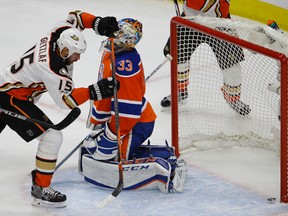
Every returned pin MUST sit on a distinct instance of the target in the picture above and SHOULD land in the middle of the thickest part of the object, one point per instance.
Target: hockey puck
(271, 200)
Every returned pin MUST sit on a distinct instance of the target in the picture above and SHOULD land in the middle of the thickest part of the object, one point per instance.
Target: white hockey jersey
(41, 69)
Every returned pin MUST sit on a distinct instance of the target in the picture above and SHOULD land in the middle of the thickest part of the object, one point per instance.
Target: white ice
(235, 181)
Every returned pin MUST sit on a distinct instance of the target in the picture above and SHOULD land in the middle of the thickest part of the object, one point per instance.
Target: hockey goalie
(153, 167)
(145, 166)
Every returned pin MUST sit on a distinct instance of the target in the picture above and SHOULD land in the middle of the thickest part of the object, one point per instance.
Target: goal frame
(283, 60)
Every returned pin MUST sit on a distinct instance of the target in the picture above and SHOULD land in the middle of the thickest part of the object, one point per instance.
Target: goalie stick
(168, 58)
(120, 185)
(73, 114)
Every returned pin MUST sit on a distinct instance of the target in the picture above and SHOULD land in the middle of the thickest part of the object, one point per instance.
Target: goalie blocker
(154, 167)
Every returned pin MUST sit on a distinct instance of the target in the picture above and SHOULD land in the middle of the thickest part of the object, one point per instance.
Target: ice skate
(46, 196)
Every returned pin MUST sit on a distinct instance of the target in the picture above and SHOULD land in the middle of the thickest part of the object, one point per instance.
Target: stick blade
(105, 201)
(73, 114)
(169, 57)
(114, 194)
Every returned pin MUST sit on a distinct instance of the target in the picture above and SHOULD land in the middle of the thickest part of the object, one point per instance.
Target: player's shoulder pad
(128, 64)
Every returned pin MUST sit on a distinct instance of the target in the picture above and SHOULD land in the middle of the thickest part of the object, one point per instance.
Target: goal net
(225, 86)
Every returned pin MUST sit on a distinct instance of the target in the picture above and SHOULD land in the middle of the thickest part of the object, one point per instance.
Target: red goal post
(277, 55)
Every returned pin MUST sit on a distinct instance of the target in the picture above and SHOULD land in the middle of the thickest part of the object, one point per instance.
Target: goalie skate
(166, 101)
(46, 196)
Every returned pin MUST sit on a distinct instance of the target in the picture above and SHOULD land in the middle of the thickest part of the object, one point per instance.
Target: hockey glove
(105, 26)
(103, 89)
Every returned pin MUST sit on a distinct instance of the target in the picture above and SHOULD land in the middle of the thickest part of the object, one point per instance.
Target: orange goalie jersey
(133, 106)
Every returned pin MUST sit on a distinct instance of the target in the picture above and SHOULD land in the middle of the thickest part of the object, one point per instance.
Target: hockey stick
(74, 150)
(168, 58)
(167, 45)
(120, 185)
(68, 156)
(176, 7)
(73, 114)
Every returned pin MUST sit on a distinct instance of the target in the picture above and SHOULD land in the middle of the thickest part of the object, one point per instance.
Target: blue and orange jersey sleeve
(132, 105)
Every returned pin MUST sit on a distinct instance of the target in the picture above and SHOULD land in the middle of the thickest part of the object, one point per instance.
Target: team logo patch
(74, 37)
(30, 133)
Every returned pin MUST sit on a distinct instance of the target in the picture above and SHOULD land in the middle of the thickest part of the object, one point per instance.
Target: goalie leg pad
(88, 146)
(178, 177)
(82, 151)
(102, 144)
(139, 174)
(161, 151)
(106, 148)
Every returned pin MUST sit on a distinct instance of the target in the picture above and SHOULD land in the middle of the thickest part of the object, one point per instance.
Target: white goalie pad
(179, 177)
(139, 174)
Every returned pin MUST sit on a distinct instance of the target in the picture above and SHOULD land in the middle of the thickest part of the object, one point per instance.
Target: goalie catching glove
(105, 26)
(103, 89)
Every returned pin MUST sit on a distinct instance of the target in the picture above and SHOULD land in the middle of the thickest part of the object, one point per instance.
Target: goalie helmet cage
(264, 59)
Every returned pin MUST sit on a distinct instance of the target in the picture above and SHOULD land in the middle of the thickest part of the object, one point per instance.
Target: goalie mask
(129, 34)
(72, 39)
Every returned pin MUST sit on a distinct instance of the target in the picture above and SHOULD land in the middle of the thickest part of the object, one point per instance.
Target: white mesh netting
(205, 118)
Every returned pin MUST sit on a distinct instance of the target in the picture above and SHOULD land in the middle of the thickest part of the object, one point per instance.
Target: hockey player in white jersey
(47, 66)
